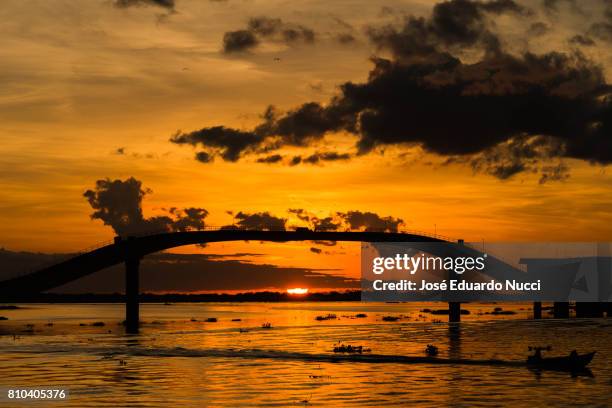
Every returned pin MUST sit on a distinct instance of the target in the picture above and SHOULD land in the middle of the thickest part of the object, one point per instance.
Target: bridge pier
(589, 309)
(132, 306)
(561, 310)
(454, 312)
(537, 310)
(132, 283)
(454, 308)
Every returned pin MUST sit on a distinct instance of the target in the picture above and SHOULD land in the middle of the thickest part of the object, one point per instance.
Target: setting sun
(297, 291)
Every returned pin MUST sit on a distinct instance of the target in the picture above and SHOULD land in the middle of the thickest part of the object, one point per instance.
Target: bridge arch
(132, 249)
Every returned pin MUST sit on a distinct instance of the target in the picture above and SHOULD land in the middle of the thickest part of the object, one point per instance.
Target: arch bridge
(132, 249)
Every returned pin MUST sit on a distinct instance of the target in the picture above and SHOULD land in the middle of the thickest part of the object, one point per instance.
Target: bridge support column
(132, 286)
(454, 308)
(589, 309)
(537, 310)
(561, 310)
(454, 312)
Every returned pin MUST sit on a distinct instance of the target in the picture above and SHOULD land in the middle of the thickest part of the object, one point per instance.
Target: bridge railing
(295, 228)
(62, 257)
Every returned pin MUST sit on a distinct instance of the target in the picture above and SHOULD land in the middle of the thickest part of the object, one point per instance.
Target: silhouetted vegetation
(266, 296)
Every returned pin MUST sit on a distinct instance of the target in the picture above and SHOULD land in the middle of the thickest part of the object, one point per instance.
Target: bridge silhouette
(130, 250)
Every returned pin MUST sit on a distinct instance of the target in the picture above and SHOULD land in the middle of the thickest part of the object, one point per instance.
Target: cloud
(318, 157)
(228, 143)
(203, 157)
(602, 30)
(516, 155)
(452, 23)
(552, 6)
(346, 38)
(266, 28)
(188, 218)
(425, 95)
(239, 41)
(167, 4)
(317, 224)
(369, 221)
(118, 203)
(298, 127)
(260, 221)
(538, 28)
(316, 250)
(583, 40)
(560, 172)
(350, 220)
(275, 158)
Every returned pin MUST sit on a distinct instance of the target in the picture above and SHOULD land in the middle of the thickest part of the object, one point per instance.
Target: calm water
(177, 362)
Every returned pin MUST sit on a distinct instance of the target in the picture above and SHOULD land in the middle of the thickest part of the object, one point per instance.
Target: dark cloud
(516, 155)
(325, 224)
(229, 143)
(427, 96)
(238, 41)
(346, 38)
(275, 158)
(260, 221)
(539, 28)
(188, 218)
(204, 157)
(552, 6)
(167, 4)
(559, 172)
(301, 213)
(266, 28)
(318, 157)
(583, 40)
(316, 250)
(350, 220)
(298, 127)
(452, 23)
(602, 30)
(369, 221)
(275, 28)
(118, 203)
(330, 223)
(456, 108)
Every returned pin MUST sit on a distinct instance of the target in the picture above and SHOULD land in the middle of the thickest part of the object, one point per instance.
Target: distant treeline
(180, 297)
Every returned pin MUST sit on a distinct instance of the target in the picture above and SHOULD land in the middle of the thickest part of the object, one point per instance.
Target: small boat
(350, 349)
(573, 362)
(431, 350)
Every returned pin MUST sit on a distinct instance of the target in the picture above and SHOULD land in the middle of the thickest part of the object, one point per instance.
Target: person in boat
(538, 353)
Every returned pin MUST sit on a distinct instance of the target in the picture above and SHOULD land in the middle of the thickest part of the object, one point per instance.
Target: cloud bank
(502, 113)
(266, 28)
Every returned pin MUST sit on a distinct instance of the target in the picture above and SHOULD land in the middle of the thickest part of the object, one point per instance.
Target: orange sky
(82, 79)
